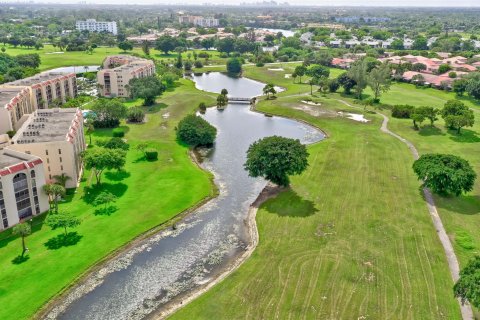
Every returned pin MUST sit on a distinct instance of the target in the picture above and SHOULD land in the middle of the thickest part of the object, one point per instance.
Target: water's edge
(269, 191)
(59, 298)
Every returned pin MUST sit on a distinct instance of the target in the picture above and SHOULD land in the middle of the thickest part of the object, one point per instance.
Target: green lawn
(351, 239)
(50, 60)
(149, 193)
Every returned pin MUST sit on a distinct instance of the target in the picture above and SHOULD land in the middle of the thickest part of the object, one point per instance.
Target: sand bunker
(354, 116)
(58, 52)
(276, 69)
(288, 76)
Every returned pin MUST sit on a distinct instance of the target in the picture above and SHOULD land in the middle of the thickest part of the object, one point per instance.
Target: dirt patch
(311, 103)
(316, 112)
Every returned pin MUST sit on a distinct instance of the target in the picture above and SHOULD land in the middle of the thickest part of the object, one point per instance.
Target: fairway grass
(149, 193)
(351, 239)
(50, 59)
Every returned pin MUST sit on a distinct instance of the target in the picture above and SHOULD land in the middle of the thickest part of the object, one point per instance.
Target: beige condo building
(20, 98)
(21, 180)
(117, 72)
(56, 136)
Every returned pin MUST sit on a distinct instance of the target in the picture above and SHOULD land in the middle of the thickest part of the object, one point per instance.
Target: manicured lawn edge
(79, 280)
(269, 192)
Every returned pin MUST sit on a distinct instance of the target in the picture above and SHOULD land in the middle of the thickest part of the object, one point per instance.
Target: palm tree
(23, 230)
(53, 191)
(62, 179)
(224, 92)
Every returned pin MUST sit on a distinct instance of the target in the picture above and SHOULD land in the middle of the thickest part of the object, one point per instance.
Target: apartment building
(55, 136)
(199, 21)
(93, 25)
(21, 97)
(21, 180)
(118, 71)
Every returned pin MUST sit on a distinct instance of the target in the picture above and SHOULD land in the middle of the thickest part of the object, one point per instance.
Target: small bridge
(238, 100)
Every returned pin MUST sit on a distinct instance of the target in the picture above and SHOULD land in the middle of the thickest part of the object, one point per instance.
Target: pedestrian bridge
(239, 100)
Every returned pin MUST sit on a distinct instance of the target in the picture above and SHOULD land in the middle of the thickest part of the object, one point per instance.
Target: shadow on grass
(90, 193)
(290, 204)
(430, 131)
(464, 204)
(105, 211)
(63, 240)
(155, 108)
(20, 259)
(465, 136)
(117, 175)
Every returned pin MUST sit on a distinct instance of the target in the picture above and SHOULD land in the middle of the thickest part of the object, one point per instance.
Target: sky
(371, 3)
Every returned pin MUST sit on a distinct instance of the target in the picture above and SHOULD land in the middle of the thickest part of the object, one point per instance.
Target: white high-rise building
(93, 25)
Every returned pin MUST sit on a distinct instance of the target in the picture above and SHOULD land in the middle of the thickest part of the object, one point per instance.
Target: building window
(59, 151)
(61, 168)
(60, 159)
(32, 174)
(22, 195)
(46, 152)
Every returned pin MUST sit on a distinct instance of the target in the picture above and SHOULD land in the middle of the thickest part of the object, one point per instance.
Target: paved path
(452, 260)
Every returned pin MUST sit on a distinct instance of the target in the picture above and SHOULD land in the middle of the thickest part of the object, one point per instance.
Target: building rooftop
(10, 158)
(39, 78)
(47, 125)
(7, 94)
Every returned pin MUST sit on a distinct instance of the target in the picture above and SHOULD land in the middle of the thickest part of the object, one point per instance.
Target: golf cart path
(452, 260)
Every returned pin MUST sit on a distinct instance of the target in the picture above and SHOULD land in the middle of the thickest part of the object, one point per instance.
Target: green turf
(50, 60)
(149, 193)
(352, 239)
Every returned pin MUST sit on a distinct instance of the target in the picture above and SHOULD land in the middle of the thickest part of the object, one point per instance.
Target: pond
(173, 263)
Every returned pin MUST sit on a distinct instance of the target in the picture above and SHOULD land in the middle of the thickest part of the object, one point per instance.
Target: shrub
(11, 133)
(116, 143)
(135, 114)
(203, 55)
(198, 64)
(151, 154)
(402, 111)
(118, 133)
(196, 131)
(234, 65)
(260, 64)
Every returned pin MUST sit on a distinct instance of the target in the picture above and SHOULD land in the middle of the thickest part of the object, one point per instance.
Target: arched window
(22, 195)
(32, 174)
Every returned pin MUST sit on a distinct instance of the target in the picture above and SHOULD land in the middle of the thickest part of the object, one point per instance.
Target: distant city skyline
(319, 3)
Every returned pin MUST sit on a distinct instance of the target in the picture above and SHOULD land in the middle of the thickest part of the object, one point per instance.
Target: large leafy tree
(457, 115)
(226, 45)
(359, 73)
(300, 72)
(165, 44)
(108, 112)
(276, 158)
(379, 79)
(147, 88)
(22, 230)
(101, 159)
(318, 71)
(346, 82)
(445, 173)
(196, 131)
(467, 287)
(62, 220)
(125, 46)
(234, 65)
